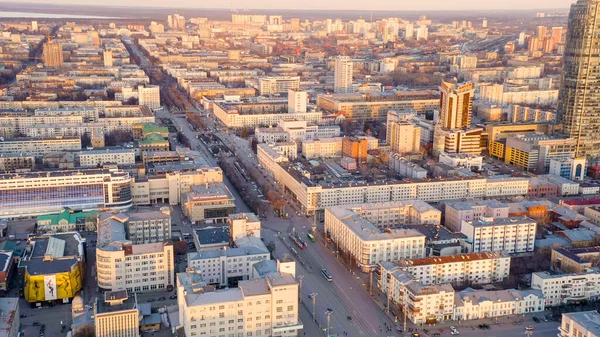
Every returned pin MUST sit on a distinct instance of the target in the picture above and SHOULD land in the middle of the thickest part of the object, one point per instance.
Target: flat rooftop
(589, 320)
(213, 235)
(365, 229)
(451, 259)
(515, 220)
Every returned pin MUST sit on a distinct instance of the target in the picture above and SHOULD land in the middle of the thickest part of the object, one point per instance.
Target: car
(529, 328)
(35, 323)
(162, 299)
(535, 319)
(481, 326)
(454, 332)
(452, 328)
(349, 319)
(488, 327)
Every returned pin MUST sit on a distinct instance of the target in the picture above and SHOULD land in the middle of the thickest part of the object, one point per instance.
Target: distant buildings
(580, 89)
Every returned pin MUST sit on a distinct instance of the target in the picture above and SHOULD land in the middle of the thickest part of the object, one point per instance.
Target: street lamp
(328, 313)
(313, 296)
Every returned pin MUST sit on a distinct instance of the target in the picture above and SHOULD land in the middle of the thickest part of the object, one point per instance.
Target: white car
(454, 332)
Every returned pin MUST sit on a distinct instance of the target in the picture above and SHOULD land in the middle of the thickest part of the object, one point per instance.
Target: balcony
(288, 327)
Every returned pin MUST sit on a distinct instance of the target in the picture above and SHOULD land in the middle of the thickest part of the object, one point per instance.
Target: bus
(327, 275)
(311, 237)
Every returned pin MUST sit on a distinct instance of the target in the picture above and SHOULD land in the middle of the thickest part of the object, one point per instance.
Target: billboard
(50, 287)
(39, 288)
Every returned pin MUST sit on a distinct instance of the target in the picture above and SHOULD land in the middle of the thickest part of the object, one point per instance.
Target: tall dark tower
(579, 100)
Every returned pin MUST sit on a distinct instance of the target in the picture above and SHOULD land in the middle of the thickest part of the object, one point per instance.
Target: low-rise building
(67, 221)
(511, 235)
(229, 265)
(53, 268)
(40, 146)
(208, 201)
(584, 323)
(469, 161)
(355, 232)
(243, 225)
(259, 307)
(574, 260)
(322, 148)
(559, 289)
(478, 304)
(117, 314)
(99, 157)
(473, 268)
(16, 161)
(456, 212)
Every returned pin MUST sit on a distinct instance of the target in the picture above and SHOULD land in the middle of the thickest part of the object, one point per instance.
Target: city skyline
(428, 5)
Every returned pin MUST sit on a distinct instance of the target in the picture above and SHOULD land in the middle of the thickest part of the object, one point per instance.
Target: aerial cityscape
(313, 169)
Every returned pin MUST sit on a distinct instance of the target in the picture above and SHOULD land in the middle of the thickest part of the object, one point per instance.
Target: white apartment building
(402, 135)
(13, 126)
(149, 96)
(233, 118)
(456, 212)
(297, 101)
(89, 114)
(259, 307)
(228, 266)
(343, 73)
(479, 304)
(406, 168)
(313, 196)
(469, 161)
(278, 85)
(144, 225)
(566, 288)
(473, 268)
(510, 235)
(99, 157)
(429, 304)
(576, 324)
(353, 232)
(243, 225)
(123, 265)
(322, 148)
(40, 146)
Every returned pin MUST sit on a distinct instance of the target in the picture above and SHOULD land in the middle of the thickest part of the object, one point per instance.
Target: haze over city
(299, 168)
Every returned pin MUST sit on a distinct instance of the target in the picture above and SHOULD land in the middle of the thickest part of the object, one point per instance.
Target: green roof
(154, 128)
(65, 214)
(153, 138)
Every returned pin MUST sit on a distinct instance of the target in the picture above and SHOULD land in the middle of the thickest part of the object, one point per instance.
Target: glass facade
(51, 198)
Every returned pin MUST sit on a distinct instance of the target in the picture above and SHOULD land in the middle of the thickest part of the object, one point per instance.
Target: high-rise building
(456, 105)
(580, 90)
(409, 31)
(108, 58)
(297, 101)
(149, 96)
(522, 37)
(542, 31)
(484, 23)
(422, 33)
(557, 33)
(402, 135)
(343, 74)
(34, 26)
(52, 53)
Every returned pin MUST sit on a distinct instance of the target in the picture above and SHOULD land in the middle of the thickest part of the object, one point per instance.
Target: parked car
(535, 319)
(349, 319)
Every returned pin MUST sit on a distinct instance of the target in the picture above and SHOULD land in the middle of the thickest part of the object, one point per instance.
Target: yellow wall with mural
(67, 285)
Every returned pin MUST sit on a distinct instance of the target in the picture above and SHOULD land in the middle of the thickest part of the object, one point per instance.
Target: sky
(397, 5)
